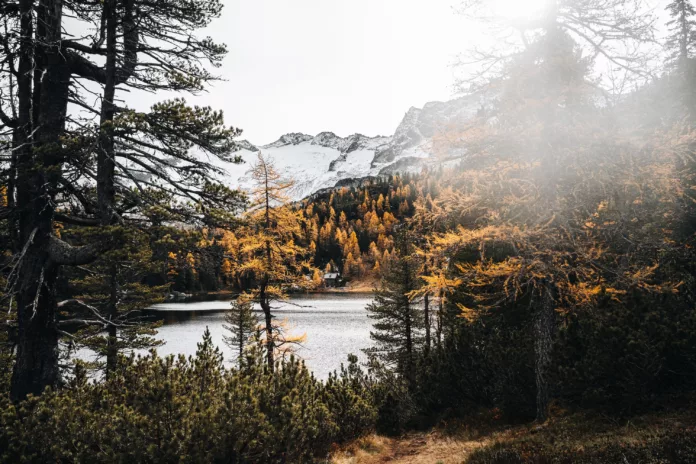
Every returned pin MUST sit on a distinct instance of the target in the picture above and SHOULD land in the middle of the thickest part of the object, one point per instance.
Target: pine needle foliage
(176, 409)
(681, 42)
(106, 311)
(241, 324)
(398, 321)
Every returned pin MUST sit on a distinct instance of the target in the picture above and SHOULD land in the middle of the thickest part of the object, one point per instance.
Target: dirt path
(599, 438)
(417, 448)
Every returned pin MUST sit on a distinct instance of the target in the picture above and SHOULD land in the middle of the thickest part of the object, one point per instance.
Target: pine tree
(398, 319)
(681, 45)
(681, 42)
(207, 364)
(110, 297)
(241, 323)
(111, 164)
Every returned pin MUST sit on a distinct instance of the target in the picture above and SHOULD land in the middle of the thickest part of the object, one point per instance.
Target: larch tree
(520, 206)
(548, 99)
(271, 258)
(547, 198)
(73, 164)
(436, 282)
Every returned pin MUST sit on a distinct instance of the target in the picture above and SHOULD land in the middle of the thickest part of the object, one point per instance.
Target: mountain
(322, 161)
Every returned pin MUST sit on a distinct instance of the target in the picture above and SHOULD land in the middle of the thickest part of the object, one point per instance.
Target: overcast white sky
(331, 65)
(342, 66)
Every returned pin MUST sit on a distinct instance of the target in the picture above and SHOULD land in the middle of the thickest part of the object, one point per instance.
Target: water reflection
(335, 325)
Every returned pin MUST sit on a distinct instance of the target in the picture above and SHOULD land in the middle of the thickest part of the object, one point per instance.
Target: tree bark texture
(544, 326)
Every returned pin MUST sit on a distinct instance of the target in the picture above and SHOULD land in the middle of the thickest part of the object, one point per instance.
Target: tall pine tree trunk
(438, 328)
(105, 175)
(410, 368)
(426, 316)
(36, 366)
(39, 170)
(264, 301)
(544, 326)
(105, 157)
(270, 337)
(112, 333)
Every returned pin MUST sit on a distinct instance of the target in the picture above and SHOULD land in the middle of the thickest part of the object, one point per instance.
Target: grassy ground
(667, 437)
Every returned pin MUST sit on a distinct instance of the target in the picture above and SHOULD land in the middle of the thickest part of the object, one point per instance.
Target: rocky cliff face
(413, 137)
(322, 161)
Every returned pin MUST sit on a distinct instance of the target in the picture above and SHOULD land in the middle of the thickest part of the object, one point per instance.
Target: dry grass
(415, 448)
(566, 431)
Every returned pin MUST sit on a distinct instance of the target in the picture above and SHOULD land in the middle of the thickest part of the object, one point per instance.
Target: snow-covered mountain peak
(246, 145)
(412, 138)
(323, 161)
(327, 139)
(293, 138)
(348, 144)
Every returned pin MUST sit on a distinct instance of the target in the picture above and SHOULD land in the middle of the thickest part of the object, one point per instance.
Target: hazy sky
(330, 65)
(341, 66)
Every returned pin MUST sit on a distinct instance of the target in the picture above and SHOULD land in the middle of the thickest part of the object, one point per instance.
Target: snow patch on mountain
(322, 161)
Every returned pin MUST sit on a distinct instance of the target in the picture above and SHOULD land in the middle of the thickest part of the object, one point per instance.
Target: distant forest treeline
(349, 230)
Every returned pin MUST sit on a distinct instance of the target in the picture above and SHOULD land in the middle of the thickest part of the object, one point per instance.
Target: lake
(335, 325)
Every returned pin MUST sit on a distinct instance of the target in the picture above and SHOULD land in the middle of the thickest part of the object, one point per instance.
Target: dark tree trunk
(105, 157)
(426, 316)
(105, 174)
(263, 298)
(36, 366)
(544, 326)
(270, 336)
(408, 326)
(438, 328)
(112, 333)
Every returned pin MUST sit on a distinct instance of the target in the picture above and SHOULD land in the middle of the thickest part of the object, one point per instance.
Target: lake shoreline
(335, 324)
(222, 294)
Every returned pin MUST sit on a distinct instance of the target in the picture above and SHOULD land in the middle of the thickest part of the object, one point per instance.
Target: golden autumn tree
(546, 206)
(270, 257)
(435, 282)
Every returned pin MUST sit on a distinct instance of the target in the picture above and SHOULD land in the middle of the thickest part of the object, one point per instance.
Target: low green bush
(181, 409)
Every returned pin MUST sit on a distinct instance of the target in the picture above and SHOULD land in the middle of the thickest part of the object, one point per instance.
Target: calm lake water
(335, 326)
